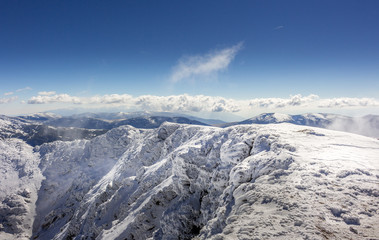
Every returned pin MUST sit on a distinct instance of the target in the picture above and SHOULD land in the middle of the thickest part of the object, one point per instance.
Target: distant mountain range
(39, 128)
(35, 133)
(109, 120)
(48, 127)
(138, 122)
(120, 115)
(367, 125)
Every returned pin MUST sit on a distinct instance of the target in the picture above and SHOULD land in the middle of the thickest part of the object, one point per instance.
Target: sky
(209, 58)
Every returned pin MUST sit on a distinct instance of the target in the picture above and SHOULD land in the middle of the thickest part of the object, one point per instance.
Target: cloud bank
(194, 66)
(201, 103)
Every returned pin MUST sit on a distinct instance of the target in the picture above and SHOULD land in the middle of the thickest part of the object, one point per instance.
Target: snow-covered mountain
(35, 133)
(280, 181)
(142, 114)
(367, 125)
(40, 116)
(97, 123)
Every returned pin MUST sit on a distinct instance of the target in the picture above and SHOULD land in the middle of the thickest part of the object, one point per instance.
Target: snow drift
(193, 182)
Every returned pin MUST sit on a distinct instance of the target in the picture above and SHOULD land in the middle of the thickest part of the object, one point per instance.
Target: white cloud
(44, 93)
(8, 100)
(204, 65)
(24, 89)
(279, 27)
(58, 98)
(296, 100)
(186, 103)
(201, 103)
(109, 99)
(8, 93)
(51, 97)
(348, 102)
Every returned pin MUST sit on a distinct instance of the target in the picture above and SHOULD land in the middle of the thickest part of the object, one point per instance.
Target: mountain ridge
(201, 182)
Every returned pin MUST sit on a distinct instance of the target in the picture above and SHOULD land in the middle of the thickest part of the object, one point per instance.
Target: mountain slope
(20, 180)
(181, 181)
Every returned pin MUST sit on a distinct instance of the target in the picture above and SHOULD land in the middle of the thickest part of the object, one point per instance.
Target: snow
(43, 115)
(300, 202)
(280, 117)
(280, 181)
(20, 179)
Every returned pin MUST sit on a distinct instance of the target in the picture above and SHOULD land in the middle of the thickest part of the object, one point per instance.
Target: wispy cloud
(44, 93)
(210, 63)
(8, 100)
(279, 27)
(202, 103)
(24, 89)
(8, 93)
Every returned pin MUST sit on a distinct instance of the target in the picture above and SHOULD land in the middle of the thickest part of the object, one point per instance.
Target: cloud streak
(211, 63)
(279, 27)
(201, 103)
(24, 89)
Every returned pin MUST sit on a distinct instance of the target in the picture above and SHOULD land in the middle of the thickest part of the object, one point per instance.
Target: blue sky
(230, 51)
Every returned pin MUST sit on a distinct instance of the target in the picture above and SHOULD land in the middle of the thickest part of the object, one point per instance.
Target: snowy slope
(279, 181)
(20, 180)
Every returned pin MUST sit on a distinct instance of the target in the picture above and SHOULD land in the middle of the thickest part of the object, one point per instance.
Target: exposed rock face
(182, 182)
